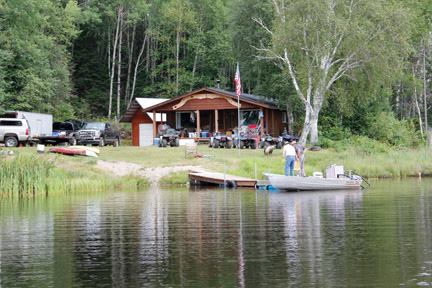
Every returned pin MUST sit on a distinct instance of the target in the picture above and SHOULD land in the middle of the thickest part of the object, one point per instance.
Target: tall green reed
(24, 175)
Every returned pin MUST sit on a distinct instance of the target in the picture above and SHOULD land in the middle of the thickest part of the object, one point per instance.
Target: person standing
(300, 157)
(289, 154)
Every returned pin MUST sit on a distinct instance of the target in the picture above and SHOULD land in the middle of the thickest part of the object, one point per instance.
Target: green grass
(176, 178)
(28, 173)
(380, 163)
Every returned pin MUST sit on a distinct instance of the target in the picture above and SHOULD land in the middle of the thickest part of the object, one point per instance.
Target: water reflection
(221, 238)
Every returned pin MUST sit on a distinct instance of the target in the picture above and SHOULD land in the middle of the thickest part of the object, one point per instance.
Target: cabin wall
(138, 118)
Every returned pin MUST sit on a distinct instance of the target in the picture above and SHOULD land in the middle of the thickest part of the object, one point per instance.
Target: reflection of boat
(74, 150)
(296, 183)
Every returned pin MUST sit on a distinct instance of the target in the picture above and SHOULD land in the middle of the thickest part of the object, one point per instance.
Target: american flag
(237, 81)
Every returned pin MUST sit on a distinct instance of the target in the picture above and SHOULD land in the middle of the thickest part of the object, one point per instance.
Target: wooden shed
(202, 112)
(142, 122)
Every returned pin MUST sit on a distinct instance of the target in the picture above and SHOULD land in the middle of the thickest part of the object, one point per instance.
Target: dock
(215, 178)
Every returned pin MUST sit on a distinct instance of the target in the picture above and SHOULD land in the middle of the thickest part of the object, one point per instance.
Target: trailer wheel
(253, 145)
(11, 141)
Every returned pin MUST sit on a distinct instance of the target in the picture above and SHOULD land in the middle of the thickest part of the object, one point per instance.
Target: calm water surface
(215, 238)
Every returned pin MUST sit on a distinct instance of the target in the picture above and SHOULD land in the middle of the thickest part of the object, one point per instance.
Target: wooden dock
(215, 178)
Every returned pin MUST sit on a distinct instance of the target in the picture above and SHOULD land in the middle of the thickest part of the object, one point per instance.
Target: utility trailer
(40, 124)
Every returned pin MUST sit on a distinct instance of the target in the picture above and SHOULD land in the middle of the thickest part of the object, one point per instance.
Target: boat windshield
(94, 126)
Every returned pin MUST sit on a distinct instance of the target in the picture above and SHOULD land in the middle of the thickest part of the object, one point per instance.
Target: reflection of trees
(229, 238)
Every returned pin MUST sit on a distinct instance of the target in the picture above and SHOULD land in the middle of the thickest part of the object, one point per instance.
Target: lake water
(381, 237)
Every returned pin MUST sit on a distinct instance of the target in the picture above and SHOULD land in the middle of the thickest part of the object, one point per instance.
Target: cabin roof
(150, 104)
(140, 103)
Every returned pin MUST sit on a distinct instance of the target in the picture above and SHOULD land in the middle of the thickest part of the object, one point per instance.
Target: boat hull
(296, 183)
(73, 151)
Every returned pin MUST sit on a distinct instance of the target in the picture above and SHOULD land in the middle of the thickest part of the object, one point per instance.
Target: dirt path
(122, 168)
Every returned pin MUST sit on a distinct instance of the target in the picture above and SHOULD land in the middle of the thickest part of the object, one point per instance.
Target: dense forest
(339, 67)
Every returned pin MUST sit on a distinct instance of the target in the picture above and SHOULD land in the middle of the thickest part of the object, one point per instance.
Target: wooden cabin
(200, 113)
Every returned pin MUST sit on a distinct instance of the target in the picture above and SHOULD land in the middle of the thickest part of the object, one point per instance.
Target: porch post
(198, 124)
(216, 121)
(154, 124)
(262, 122)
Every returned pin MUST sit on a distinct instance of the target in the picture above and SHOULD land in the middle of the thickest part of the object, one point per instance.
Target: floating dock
(226, 180)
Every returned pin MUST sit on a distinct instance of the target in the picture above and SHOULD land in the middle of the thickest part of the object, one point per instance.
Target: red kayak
(72, 151)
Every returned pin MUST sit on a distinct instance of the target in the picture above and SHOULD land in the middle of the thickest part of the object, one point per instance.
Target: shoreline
(153, 175)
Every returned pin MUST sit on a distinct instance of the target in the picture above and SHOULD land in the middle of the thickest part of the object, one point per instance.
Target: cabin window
(249, 117)
(186, 119)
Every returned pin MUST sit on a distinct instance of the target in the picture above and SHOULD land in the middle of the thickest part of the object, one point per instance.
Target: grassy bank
(29, 174)
(371, 163)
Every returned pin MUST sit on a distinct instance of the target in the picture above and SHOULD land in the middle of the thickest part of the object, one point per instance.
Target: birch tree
(320, 42)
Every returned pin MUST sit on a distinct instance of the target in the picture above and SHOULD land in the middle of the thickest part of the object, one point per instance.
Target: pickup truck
(98, 133)
(14, 131)
(62, 132)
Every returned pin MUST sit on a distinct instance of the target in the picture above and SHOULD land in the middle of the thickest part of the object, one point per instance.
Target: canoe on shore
(72, 151)
(297, 183)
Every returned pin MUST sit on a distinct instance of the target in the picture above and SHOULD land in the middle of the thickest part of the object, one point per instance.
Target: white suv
(14, 131)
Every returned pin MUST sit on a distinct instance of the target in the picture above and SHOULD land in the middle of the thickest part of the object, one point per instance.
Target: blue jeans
(289, 165)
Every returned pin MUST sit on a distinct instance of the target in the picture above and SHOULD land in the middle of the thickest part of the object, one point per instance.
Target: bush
(386, 128)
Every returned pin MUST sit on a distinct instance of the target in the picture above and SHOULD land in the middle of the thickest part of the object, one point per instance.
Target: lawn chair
(191, 150)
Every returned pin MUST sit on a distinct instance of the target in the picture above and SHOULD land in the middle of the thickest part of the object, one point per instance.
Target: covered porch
(200, 114)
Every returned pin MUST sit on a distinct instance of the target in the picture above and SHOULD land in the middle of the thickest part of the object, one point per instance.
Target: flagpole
(238, 122)
(238, 92)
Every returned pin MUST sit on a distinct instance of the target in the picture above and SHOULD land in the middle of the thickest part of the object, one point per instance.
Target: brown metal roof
(244, 97)
(248, 98)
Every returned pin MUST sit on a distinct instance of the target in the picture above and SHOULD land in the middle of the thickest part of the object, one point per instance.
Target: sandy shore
(122, 168)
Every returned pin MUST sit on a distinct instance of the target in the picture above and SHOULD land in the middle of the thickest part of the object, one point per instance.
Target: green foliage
(177, 178)
(27, 175)
(54, 57)
(387, 129)
(33, 54)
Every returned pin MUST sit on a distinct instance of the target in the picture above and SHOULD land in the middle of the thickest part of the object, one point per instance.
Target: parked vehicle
(169, 137)
(39, 124)
(247, 138)
(269, 140)
(221, 140)
(98, 133)
(14, 131)
(63, 132)
(286, 138)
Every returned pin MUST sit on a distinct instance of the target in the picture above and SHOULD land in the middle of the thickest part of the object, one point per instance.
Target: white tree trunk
(425, 90)
(290, 119)
(131, 45)
(119, 65)
(177, 61)
(314, 128)
(136, 69)
(417, 105)
(306, 124)
(113, 64)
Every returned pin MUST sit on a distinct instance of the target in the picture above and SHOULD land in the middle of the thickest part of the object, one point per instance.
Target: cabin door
(145, 135)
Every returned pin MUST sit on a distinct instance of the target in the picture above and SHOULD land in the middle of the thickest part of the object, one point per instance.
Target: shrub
(386, 128)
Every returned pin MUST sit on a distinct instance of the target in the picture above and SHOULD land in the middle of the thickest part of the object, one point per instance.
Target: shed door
(145, 134)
